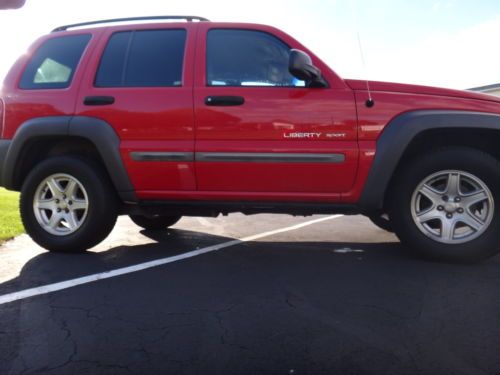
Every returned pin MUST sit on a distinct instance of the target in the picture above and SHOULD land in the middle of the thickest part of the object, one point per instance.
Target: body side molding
(276, 157)
(243, 157)
(398, 134)
(161, 156)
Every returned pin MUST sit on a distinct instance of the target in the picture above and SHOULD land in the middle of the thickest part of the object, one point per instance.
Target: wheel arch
(69, 130)
(405, 135)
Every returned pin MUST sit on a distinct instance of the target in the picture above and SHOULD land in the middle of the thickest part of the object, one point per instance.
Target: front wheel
(68, 204)
(444, 205)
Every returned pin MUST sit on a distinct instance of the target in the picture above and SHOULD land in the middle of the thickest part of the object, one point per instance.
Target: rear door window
(54, 63)
(147, 58)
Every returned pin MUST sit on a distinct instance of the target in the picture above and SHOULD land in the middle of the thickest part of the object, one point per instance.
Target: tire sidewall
(474, 162)
(100, 212)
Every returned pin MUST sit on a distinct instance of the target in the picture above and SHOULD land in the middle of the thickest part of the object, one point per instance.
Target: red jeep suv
(180, 116)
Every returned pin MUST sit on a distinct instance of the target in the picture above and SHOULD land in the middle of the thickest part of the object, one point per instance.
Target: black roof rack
(153, 18)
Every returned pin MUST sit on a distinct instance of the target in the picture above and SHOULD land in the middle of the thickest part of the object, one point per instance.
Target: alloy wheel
(60, 204)
(452, 207)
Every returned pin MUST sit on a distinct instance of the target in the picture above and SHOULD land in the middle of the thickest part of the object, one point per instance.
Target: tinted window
(247, 58)
(150, 58)
(113, 61)
(53, 64)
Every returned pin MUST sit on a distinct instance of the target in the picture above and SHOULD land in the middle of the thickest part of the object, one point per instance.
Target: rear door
(258, 129)
(146, 74)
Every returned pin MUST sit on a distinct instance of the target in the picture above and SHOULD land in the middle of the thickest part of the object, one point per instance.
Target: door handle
(99, 100)
(224, 101)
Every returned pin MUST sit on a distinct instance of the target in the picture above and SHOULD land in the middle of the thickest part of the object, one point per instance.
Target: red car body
(167, 119)
(176, 119)
(335, 119)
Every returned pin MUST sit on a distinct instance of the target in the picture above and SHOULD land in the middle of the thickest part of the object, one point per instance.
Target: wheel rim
(61, 204)
(452, 207)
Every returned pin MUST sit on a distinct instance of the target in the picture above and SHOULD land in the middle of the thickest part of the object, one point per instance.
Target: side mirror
(301, 67)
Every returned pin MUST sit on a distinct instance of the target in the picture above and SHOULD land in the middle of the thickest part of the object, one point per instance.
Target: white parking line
(46, 289)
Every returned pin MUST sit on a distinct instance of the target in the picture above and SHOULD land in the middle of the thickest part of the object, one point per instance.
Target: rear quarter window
(53, 64)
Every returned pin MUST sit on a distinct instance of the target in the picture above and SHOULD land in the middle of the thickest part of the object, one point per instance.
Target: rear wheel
(68, 204)
(444, 205)
(155, 222)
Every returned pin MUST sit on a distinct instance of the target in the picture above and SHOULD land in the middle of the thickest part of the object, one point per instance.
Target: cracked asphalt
(336, 297)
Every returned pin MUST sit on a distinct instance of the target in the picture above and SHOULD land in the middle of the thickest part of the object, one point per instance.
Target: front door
(259, 129)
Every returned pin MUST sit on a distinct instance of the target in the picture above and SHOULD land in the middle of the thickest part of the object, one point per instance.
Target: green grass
(10, 222)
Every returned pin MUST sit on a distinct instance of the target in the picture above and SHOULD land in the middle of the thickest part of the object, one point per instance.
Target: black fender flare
(97, 131)
(398, 134)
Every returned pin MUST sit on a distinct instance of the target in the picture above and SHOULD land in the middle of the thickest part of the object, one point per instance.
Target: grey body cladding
(241, 157)
(98, 132)
(4, 147)
(398, 134)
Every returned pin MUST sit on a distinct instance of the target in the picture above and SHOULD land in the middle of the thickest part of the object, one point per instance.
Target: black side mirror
(301, 67)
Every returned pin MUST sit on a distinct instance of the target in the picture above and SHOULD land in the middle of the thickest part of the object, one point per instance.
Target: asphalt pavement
(263, 294)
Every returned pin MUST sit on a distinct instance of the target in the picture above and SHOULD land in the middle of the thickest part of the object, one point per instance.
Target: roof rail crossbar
(187, 18)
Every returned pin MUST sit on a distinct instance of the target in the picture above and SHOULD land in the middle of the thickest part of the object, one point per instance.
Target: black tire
(155, 222)
(381, 222)
(463, 159)
(102, 209)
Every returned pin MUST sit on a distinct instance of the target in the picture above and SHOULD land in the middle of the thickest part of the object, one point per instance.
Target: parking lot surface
(317, 295)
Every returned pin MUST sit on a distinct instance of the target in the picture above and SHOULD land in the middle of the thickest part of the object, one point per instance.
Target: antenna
(370, 102)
